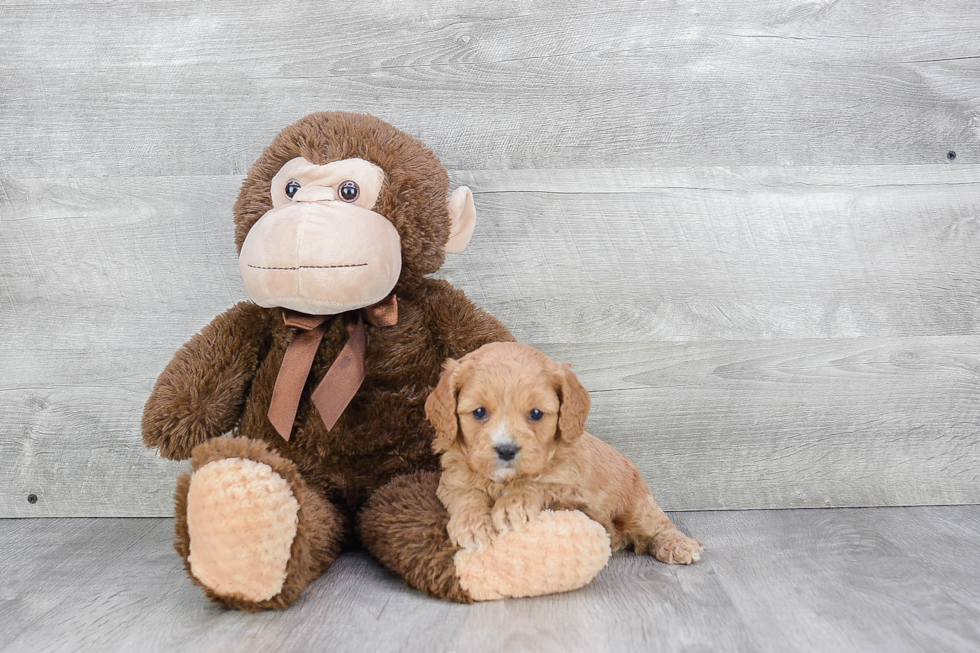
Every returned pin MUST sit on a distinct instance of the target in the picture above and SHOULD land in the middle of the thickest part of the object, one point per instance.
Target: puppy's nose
(506, 452)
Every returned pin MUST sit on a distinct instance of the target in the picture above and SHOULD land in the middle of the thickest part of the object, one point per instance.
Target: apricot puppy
(510, 425)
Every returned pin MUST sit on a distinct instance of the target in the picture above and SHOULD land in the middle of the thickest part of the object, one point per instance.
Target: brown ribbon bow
(340, 383)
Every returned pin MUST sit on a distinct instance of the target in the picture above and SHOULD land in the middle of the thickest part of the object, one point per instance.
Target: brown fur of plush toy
(222, 380)
(404, 522)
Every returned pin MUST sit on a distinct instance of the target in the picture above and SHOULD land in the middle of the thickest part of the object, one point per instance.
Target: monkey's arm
(201, 393)
(459, 325)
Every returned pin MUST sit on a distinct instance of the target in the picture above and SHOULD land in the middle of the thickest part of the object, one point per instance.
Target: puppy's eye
(535, 415)
(480, 413)
(349, 191)
(292, 188)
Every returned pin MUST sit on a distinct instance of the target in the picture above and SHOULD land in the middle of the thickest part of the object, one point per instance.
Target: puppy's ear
(440, 408)
(575, 404)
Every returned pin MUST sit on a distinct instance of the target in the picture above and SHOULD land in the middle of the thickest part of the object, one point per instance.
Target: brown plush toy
(322, 382)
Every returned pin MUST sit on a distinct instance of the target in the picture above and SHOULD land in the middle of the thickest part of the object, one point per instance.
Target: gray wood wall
(738, 220)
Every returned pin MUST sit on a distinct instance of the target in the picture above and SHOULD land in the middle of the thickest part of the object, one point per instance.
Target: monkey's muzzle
(320, 258)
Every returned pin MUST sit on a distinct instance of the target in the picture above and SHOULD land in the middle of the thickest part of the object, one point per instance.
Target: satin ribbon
(340, 383)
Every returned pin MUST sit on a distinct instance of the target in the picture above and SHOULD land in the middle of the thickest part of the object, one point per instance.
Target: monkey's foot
(558, 551)
(251, 532)
(241, 517)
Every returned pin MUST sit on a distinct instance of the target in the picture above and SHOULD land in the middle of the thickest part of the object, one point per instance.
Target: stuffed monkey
(302, 411)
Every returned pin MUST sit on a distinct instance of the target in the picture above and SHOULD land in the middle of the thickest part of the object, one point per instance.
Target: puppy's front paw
(675, 548)
(472, 532)
(512, 511)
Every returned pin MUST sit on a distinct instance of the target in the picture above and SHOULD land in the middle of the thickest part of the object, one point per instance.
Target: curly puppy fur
(510, 425)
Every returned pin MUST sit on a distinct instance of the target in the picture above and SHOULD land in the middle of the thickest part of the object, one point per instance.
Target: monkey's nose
(315, 194)
(506, 452)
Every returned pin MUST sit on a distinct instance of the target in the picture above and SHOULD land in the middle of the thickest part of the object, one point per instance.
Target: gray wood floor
(868, 579)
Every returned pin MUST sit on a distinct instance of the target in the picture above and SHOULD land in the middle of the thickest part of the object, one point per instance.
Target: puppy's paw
(471, 532)
(512, 511)
(675, 548)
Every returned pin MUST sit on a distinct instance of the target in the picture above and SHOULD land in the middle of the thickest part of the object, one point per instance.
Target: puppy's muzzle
(506, 452)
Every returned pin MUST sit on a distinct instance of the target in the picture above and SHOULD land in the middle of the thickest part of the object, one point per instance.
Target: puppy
(510, 425)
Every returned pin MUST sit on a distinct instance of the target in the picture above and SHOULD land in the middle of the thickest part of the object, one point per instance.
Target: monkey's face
(322, 249)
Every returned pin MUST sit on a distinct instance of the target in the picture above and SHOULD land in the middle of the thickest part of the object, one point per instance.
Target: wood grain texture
(737, 219)
(180, 88)
(559, 256)
(753, 337)
(717, 425)
(887, 579)
(791, 423)
(729, 253)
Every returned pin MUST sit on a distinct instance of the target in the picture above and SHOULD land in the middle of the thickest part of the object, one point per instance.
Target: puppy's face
(507, 407)
(508, 417)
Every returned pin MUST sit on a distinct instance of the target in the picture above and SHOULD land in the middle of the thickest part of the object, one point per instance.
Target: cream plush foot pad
(241, 517)
(557, 552)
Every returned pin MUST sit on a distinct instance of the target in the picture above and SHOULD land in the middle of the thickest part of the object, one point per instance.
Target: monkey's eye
(480, 413)
(535, 415)
(349, 191)
(292, 188)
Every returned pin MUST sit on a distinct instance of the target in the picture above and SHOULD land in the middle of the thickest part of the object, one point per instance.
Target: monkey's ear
(462, 212)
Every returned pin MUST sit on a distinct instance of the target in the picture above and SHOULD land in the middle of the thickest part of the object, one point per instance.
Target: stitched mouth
(308, 267)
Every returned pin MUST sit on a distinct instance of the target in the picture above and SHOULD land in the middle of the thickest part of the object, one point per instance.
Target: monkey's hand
(201, 393)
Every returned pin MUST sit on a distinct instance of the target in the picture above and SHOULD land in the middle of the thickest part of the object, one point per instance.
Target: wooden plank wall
(740, 221)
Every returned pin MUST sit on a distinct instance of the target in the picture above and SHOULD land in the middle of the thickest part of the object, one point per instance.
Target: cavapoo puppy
(510, 425)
